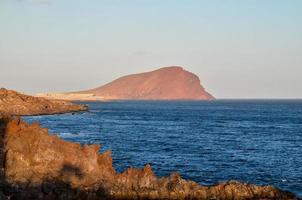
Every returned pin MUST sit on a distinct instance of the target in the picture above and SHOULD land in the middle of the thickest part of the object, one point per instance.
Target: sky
(238, 48)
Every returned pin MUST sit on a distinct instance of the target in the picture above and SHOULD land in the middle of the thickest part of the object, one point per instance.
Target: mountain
(168, 83)
(14, 103)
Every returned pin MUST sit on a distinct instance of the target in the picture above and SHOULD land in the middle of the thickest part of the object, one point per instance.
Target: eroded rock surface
(41, 166)
(14, 103)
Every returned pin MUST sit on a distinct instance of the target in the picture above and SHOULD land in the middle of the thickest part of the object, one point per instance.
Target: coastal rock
(168, 83)
(41, 166)
(14, 103)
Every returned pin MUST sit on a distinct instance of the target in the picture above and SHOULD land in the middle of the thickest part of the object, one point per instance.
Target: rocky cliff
(14, 103)
(41, 166)
(168, 83)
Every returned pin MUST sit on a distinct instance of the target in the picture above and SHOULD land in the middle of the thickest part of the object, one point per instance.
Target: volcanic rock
(14, 103)
(168, 83)
(41, 166)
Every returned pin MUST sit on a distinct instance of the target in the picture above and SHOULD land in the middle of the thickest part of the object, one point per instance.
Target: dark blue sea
(255, 141)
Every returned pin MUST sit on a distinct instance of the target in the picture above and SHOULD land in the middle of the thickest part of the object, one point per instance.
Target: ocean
(254, 141)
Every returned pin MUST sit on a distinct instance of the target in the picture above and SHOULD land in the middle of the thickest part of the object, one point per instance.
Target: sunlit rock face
(41, 166)
(14, 103)
(168, 83)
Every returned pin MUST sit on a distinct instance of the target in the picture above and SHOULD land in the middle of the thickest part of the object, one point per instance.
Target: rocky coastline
(36, 165)
(15, 103)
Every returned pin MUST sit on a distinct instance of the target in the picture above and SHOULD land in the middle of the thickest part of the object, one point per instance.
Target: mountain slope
(168, 83)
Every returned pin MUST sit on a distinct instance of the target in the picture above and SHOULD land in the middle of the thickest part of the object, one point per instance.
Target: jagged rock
(41, 166)
(14, 103)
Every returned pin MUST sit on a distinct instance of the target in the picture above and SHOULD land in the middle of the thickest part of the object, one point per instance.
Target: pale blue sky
(239, 48)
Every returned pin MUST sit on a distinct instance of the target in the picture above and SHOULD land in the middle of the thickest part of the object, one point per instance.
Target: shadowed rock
(14, 103)
(41, 166)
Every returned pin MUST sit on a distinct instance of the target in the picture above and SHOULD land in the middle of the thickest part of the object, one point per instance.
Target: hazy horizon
(239, 49)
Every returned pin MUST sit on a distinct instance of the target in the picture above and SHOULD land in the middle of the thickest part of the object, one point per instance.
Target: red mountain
(168, 83)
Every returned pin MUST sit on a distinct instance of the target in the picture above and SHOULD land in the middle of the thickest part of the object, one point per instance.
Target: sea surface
(255, 141)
